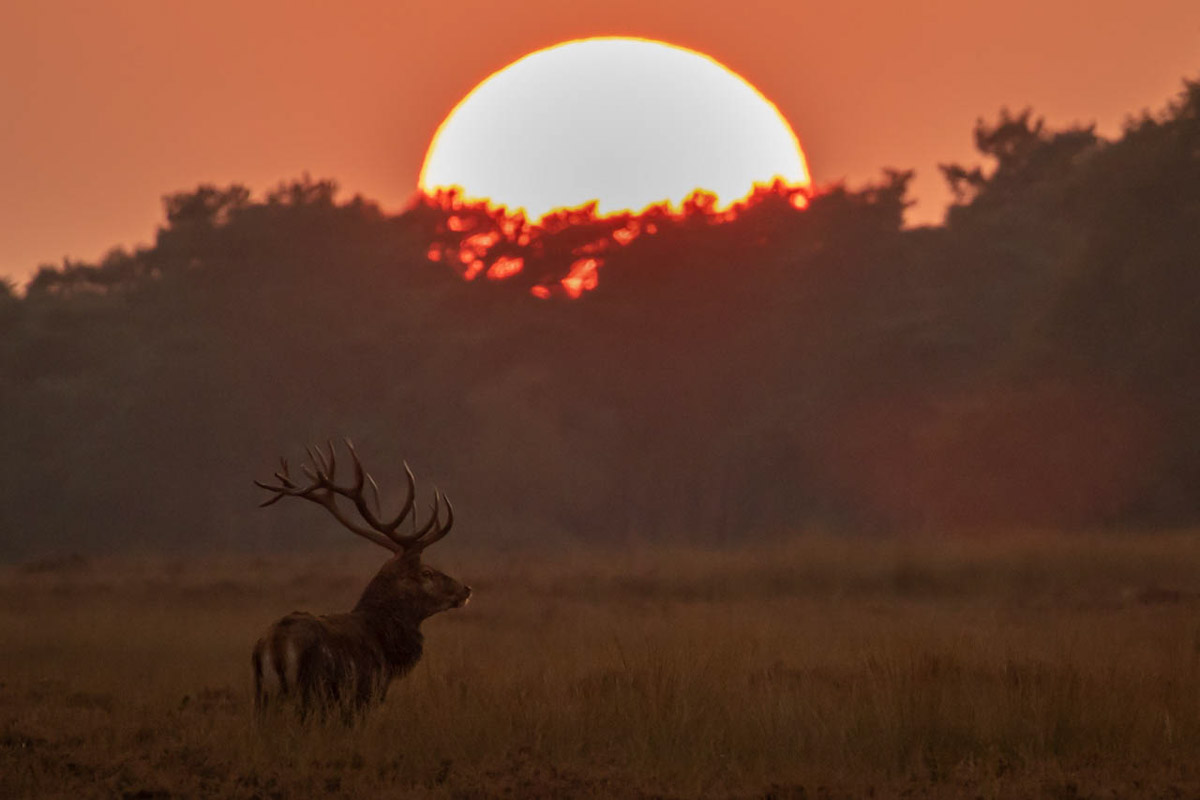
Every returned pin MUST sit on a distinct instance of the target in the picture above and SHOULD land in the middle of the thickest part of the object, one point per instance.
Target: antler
(322, 490)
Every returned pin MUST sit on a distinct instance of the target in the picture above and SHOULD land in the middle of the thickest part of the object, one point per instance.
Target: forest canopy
(1031, 362)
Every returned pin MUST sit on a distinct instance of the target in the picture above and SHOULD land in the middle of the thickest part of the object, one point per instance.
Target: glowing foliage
(505, 267)
(582, 277)
(477, 237)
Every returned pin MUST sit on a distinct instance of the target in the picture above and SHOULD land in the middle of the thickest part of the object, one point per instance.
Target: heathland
(1015, 666)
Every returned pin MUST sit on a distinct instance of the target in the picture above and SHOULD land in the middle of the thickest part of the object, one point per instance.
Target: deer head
(404, 581)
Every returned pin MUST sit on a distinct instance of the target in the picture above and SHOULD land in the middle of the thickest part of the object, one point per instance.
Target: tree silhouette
(807, 360)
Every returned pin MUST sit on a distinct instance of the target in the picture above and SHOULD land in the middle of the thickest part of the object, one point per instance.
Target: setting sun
(626, 123)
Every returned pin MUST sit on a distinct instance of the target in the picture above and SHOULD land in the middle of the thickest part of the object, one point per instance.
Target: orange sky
(106, 106)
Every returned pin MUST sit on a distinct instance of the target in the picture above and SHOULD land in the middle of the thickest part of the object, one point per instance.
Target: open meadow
(1028, 666)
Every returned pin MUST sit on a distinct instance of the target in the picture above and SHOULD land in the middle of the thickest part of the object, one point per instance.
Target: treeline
(1031, 362)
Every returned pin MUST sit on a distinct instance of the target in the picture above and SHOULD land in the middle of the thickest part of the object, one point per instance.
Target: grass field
(1050, 666)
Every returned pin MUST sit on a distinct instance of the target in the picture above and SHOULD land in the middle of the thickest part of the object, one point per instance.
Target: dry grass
(1035, 666)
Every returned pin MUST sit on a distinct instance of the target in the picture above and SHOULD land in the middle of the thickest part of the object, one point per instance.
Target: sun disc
(624, 122)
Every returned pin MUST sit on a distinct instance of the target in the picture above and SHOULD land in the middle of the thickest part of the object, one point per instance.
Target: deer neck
(396, 625)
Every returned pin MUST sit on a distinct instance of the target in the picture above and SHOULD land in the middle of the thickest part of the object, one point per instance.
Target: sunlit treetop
(567, 248)
(603, 128)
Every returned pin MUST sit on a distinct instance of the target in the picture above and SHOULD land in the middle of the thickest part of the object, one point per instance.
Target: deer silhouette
(345, 662)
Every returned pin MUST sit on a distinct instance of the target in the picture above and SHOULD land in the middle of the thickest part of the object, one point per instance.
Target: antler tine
(317, 459)
(286, 488)
(358, 467)
(411, 541)
(375, 495)
(407, 508)
(278, 490)
(332, 458)
(441, 530)
(355, 492)
(433, 517)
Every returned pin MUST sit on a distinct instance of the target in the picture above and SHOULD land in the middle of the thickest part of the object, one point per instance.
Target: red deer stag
(345, 662)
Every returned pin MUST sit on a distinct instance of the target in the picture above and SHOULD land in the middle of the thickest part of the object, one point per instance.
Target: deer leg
(260, 696)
